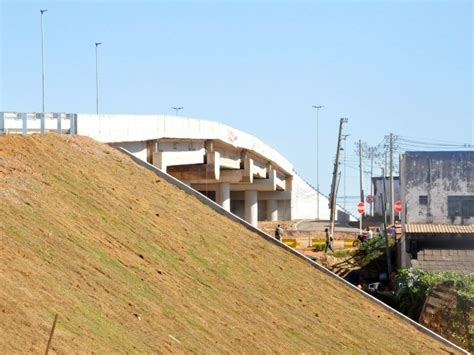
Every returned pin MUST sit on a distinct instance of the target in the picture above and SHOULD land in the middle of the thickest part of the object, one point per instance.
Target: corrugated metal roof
(440, 228)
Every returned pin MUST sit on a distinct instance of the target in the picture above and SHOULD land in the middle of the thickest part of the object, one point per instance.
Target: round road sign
(398, 206)
(361, 207)
(369, 199)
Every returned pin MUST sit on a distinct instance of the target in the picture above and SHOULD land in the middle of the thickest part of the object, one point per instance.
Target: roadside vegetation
(413, 286)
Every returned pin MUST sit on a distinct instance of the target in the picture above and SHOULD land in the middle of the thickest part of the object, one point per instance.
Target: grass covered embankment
(132, 264)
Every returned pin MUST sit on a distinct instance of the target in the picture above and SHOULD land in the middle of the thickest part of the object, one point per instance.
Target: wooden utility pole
(392, 190)
(335, 174)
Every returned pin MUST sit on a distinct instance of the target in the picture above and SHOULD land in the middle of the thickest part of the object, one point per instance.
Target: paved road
(308, 225)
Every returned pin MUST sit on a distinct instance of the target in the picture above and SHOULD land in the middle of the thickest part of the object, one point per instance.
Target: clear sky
(400, 66)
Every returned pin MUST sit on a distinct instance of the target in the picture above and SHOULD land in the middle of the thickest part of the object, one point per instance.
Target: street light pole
(42, 56)
(177, 109)
(97, 44)
(317, 157)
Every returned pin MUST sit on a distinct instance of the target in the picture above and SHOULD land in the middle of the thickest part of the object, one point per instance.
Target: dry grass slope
(132, 264)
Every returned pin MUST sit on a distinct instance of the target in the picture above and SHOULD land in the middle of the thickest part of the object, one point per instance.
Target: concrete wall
(304, 203)
(284, 210)
(436, 175)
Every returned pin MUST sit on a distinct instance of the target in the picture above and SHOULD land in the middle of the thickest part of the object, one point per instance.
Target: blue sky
(401, 66)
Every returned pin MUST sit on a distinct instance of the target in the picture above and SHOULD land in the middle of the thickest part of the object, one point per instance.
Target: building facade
(437, 194)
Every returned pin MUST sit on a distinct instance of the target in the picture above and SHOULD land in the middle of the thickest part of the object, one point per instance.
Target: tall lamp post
(317, 157)
(42, 56)
(177, 109)
(97, 44)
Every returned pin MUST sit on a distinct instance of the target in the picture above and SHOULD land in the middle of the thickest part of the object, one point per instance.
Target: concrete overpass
(235, 169)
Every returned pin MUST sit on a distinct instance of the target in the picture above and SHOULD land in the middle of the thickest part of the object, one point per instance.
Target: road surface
(309, 225)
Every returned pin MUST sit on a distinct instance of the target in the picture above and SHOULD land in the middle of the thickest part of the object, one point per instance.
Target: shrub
(413, 285)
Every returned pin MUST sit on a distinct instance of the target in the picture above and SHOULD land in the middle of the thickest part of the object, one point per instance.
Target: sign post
(361, 210)
(398, 208)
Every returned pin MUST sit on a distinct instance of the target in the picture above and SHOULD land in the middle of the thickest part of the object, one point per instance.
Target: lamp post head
(98, 44)
(43, 11)
(318, 107)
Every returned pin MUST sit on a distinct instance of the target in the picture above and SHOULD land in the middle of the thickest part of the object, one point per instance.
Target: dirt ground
(131, 264)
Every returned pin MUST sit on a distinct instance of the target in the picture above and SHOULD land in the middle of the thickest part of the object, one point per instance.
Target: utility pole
(344, 136)
(42, 58)
(335, 179)
(317, 157)
(372, 153)
(97, 44)
(177, 109)
(384, 211)
(392, 190)
(361, 172)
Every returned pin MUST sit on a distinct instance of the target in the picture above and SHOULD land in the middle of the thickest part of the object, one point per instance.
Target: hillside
(132, 264)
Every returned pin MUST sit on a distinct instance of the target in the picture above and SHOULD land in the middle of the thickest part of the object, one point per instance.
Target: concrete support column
(272, 210)
(59, 122)
(24, 123)
(223, 195)
(251, 207)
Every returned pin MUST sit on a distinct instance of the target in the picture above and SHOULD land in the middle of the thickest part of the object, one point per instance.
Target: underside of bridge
(239, 180)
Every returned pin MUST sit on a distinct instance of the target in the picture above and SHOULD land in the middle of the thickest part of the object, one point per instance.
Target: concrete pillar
(223, 195)
(72, 122)
(24, 123)
(60, 122)
(272, 210)
(251, 207)
(2, 123)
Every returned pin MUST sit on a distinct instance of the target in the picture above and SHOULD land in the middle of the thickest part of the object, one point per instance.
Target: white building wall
(304, 203)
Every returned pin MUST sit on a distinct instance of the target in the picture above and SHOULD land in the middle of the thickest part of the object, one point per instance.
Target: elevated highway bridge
(235, 169)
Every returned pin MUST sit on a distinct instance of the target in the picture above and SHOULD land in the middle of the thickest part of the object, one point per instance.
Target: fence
(32, 122)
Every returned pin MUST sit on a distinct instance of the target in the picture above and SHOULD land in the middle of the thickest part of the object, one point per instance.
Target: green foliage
(341, 253)
(413, 285)
(370, 250)
(319, 247)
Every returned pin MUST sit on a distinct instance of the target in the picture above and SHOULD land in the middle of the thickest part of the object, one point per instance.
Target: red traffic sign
(398, 206)
(369, 199)
(361, 207)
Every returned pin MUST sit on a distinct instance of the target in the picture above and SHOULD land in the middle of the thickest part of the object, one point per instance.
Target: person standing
(369, 233)
(328, 241)
(278, 233)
